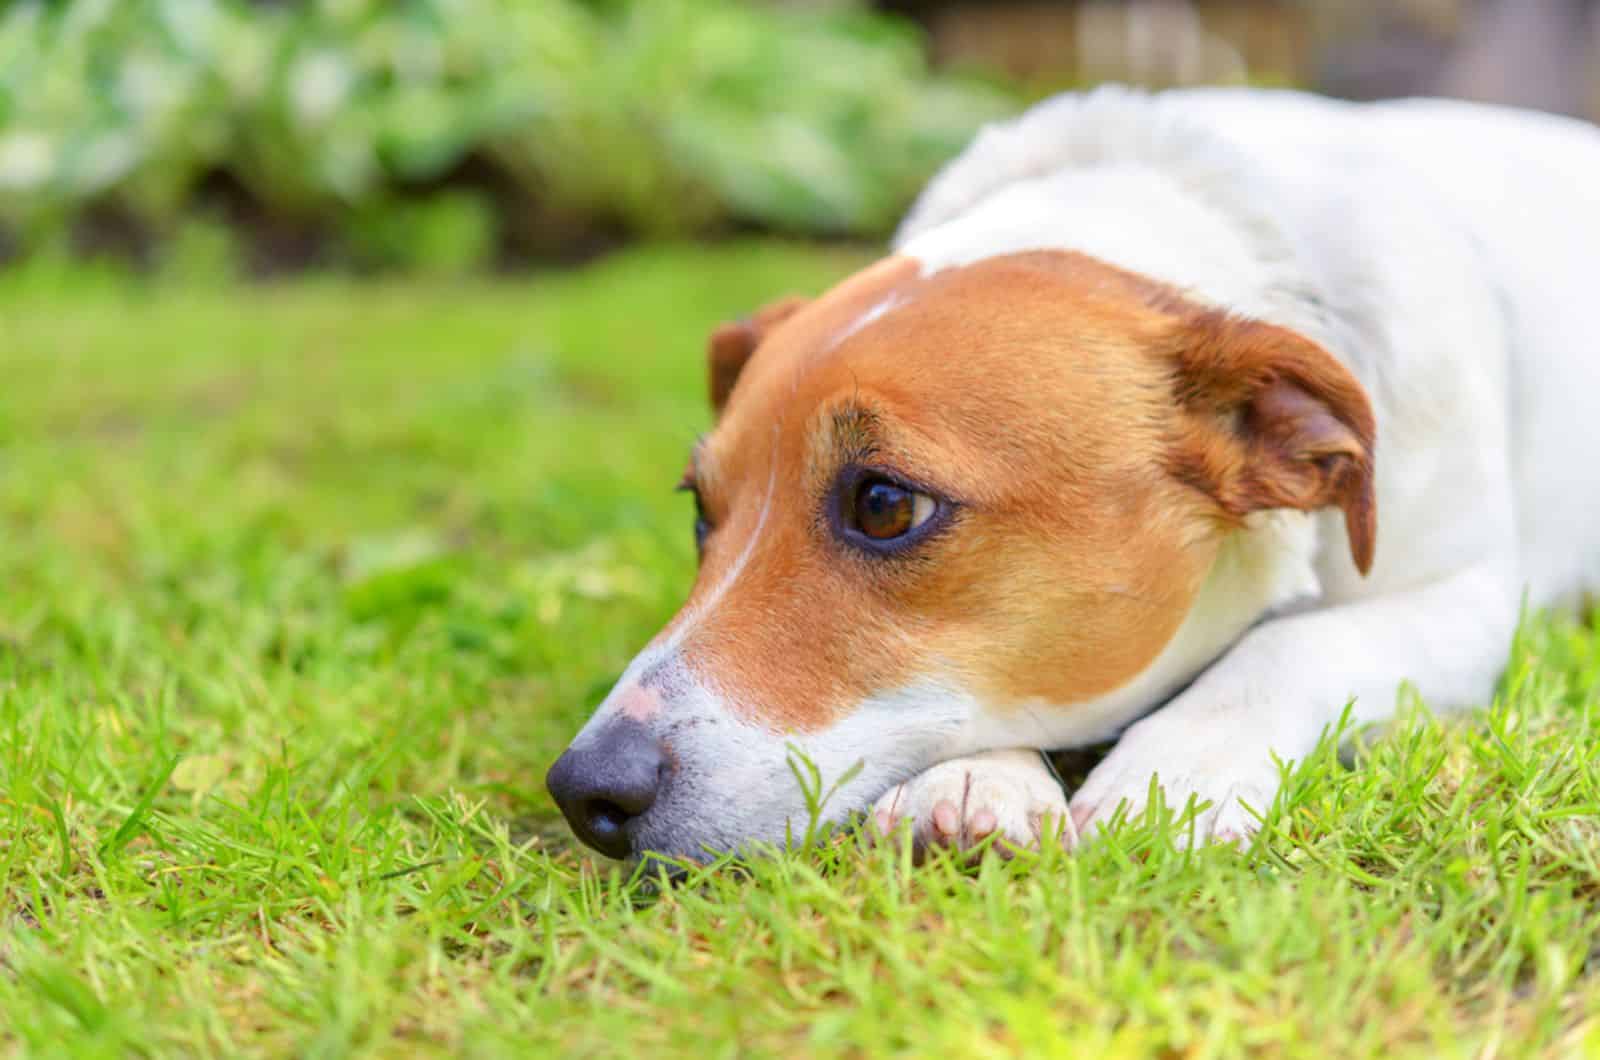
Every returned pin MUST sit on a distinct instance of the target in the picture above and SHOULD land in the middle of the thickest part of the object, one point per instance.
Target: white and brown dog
(1106, 446)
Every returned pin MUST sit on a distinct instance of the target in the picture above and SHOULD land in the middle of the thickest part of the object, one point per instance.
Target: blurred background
(263, 136)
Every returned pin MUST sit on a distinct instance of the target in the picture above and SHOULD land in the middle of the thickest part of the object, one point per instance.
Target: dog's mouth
(627, 800)
(678, 855)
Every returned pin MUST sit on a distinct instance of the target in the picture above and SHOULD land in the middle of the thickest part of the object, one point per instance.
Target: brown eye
(702, 524)
(884, 511)
(702, 528)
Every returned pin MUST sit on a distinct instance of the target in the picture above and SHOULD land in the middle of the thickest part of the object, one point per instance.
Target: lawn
(302, 588)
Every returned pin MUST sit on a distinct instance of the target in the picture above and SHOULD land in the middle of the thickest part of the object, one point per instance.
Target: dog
(1103, 448)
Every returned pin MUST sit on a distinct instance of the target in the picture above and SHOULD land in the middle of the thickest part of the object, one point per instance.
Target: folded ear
(731, 344)
(1272, 420)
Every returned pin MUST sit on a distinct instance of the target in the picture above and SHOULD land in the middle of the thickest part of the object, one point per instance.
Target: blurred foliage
(632, 116)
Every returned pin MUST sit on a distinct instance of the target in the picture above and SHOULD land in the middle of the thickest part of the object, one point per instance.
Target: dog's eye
(884, 510)
(702, 525)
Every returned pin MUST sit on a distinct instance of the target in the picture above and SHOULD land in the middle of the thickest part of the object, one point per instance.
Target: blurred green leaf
(658, 116)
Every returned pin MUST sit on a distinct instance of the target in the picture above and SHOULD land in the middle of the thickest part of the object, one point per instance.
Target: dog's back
(1526, 187)
(1531, 185)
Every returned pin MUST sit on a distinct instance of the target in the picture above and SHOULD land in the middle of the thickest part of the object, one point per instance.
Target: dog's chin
(676, 842)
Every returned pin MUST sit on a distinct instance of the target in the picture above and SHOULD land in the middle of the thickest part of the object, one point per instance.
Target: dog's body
(1148, 370)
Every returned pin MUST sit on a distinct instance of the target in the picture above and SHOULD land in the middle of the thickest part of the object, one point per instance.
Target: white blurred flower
(104, 161)
(149, 86)
(27, 160)
(348, 166)
(318, 84)
(194, 23)
(243, 60)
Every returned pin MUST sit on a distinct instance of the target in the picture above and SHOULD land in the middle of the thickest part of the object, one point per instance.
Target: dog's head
(941, 513)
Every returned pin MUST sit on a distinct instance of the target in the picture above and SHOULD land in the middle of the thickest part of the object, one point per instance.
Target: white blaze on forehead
(691, 617)
(887, 304)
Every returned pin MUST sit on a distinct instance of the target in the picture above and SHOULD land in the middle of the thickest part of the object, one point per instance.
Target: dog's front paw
(1227, 776)
(961, 803)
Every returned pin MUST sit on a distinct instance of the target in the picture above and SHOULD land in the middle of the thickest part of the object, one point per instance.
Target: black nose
(606, 782)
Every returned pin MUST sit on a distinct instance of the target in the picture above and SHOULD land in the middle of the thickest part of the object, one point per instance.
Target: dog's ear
(1272, 420)
(732, 343)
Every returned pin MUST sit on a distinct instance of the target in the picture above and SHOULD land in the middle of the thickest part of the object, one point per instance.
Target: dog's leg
(960, 803)
(1289, 679)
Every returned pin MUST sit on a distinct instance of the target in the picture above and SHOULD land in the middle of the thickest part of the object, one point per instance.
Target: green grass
(303, 587)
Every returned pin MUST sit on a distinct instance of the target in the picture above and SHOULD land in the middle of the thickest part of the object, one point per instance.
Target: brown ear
(731, 344)
(1272, 420)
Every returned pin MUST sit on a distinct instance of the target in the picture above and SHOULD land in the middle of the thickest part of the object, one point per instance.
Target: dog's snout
(606, 782)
